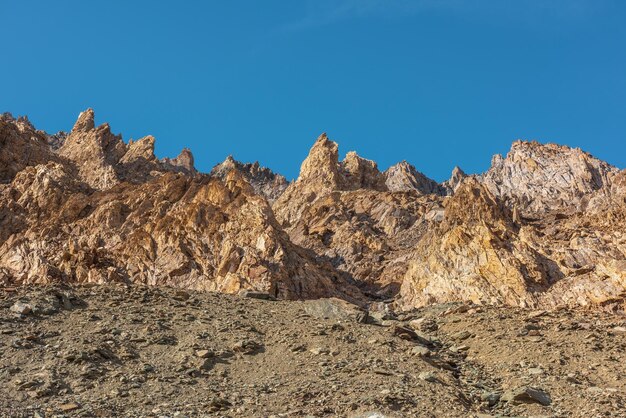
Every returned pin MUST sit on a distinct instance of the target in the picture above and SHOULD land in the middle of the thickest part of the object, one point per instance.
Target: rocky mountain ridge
(543, 227)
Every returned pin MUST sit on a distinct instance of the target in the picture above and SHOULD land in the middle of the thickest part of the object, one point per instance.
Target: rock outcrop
(539, 178)
(475, 254)
(485, 252)
(263, 180)
(322, 173)
(404, 177)
(543, 227)
(101, 210)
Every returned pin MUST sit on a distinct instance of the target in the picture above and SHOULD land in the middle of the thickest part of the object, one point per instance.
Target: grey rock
(527, 394)
(21, 308)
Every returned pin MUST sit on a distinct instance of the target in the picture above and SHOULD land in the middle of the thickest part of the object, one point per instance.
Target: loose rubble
(139, 351)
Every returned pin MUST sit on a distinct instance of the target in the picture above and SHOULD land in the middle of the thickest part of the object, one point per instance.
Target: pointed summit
(142, 149)
(361, 173)
(184, 161)
(321, 165)
(404, 177)
(85, 121)
(455, 180)
(547, 177)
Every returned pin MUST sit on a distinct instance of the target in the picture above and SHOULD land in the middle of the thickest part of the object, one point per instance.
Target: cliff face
(539, 179)
(544, 226)
(100, 210)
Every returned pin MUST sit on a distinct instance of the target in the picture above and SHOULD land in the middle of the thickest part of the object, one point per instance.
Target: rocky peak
(263, 180)
(20, 147)
(404, 177)
(142, 149)
(539, 178)
(85, 121)
(321, 173)
(56, 141)
(94, 151)
(360, 173)
(322, 170)
(455, 180)
(184, 162)
(321, 165)
(103, 159)
(7, 117)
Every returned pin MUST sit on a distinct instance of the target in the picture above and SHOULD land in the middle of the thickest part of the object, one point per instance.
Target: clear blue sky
(436, 82)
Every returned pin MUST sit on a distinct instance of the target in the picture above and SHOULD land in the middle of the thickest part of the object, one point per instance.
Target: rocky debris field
(114, 350)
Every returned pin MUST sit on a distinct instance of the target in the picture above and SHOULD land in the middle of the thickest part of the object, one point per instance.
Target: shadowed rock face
(542, 227)
(263, 180)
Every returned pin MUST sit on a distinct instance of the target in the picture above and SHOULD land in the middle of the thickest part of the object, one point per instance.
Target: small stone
(319, 350)
(68, 407)
(21, 308)
(218, 404)
(619, 329)
(492, 398)
(204, 353)
(406, 333)
(246, 347)
(420, 351)
(427, 376)
(535, 371)
(527, 394)
(460, 336)
(256, 295)
(298, 348)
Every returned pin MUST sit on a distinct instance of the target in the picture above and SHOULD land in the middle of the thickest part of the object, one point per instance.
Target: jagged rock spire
(85, 121)
(404, 177)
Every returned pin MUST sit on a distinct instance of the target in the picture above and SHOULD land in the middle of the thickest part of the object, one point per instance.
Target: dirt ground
(160, 352)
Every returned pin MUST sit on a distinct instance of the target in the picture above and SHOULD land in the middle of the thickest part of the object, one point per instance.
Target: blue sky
(438, 83)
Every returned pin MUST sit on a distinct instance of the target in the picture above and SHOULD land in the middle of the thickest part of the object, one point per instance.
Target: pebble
(68, 407)
(21, 308)
(204, 353)
(421, 351)
(427, 376)
(319, 350)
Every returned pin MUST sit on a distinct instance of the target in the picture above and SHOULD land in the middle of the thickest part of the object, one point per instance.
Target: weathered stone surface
(263, 180)
(543, 227)
(103, 211)
(404, 177)
(540, 178)
(527, 394)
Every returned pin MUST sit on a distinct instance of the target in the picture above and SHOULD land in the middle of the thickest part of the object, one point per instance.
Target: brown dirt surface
(134, 351)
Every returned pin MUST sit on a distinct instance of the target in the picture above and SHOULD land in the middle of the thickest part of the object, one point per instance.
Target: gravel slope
(149, 351)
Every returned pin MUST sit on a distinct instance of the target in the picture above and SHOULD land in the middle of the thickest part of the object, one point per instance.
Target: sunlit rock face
(263, 180)
(543, 227)
(98, 210)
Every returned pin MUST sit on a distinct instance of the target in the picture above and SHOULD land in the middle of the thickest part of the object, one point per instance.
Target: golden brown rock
(543, 227)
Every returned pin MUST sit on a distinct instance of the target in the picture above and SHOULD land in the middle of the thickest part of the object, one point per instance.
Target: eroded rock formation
(263, 180)
(101, 210)
(544, 226)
